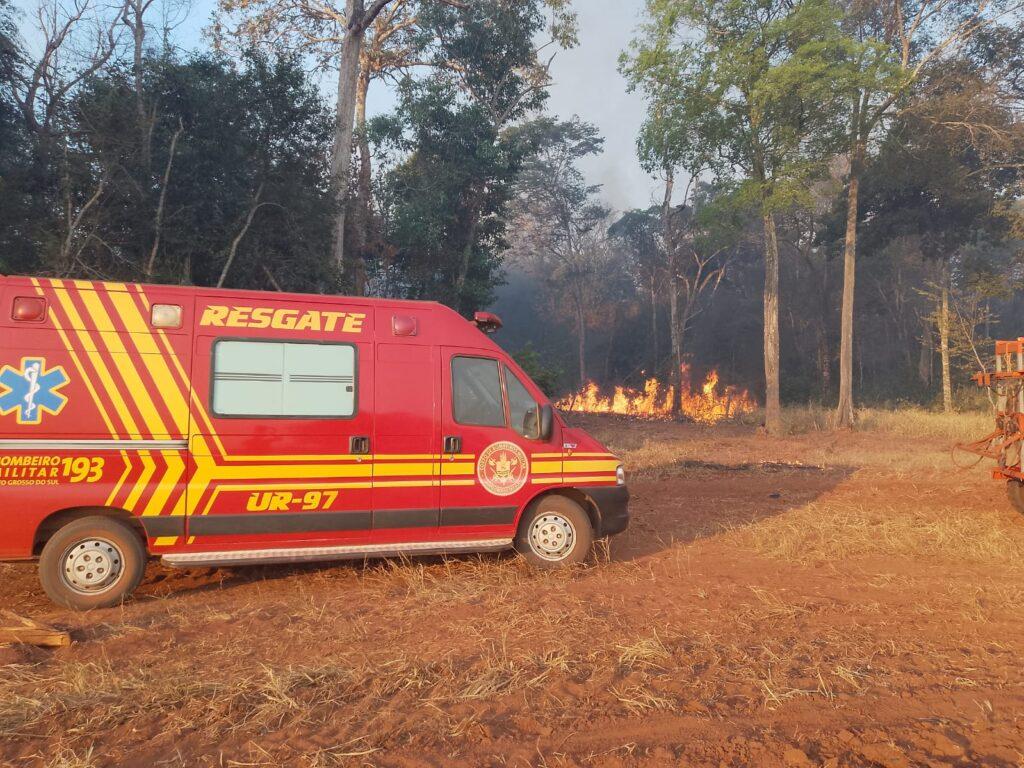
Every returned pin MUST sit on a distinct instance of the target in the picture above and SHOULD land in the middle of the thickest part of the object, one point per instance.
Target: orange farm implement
(1004, 443)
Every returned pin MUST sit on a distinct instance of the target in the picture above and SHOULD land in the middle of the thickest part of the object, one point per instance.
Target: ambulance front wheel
(554, 532)
(93, 562)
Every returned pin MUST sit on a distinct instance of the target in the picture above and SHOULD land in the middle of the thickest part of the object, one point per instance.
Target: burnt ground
(836, 600)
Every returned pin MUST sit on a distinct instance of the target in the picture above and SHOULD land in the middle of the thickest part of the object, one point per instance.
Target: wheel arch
(573, 494)
(53, 522)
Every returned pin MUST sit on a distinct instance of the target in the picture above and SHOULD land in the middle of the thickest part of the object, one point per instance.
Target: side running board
(313, 554)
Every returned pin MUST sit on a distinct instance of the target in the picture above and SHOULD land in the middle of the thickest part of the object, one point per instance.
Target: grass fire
(709, 403)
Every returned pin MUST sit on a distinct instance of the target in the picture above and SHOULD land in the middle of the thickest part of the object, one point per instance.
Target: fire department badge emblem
(33, 389)
(503, 468)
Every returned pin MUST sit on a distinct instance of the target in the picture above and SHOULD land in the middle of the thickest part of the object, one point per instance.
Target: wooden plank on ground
(18, 629)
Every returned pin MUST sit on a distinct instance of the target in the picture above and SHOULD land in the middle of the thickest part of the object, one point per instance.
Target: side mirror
(547, 421)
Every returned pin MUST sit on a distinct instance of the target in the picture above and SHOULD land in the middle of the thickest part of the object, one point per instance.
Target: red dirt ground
(850, 600)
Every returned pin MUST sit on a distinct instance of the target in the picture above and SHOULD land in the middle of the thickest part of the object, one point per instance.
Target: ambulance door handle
(359, 445)
(452, 444)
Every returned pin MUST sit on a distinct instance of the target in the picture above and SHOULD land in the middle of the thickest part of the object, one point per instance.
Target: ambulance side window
(476, 392)
(268, 379)
(522, 408)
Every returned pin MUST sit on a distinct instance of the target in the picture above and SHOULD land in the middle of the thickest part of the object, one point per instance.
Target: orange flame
(708, 405)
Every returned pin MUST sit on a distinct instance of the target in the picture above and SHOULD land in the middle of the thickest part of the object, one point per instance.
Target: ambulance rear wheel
(555, 532)
(93, 562)
(1015, 491)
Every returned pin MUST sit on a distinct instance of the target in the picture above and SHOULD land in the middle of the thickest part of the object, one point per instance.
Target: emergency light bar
(488, 322)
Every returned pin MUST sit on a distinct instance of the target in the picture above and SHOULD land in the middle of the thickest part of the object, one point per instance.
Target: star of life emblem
(32, 390)
(503, 468)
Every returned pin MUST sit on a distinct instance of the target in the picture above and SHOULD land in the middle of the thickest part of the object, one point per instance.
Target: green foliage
(444, 201)
(451, 161)
(274, 143)
(544, 375)
(551, 190)
(747, 89)
(21, 201)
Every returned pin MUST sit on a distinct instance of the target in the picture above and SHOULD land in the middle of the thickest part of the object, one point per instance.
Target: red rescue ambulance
(211, 427)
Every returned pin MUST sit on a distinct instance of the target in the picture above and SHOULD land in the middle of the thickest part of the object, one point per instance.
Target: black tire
(554, 532)
(93, 562)
(1015, 492)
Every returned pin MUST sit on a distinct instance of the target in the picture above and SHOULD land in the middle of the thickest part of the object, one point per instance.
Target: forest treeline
(841, 182)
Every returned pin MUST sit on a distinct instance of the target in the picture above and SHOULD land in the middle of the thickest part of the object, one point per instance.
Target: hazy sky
(586, 83)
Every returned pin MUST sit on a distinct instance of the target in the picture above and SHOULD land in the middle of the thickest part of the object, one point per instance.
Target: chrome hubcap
(552, 536)
(92, 566)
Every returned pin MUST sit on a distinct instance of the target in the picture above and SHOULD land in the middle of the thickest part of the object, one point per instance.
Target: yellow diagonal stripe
(106, 380)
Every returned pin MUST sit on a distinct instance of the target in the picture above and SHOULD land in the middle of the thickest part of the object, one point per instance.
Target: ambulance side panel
(284, 400)
(406, 442)
(93, 413)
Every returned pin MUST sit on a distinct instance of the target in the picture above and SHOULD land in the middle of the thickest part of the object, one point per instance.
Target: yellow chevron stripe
(148, 468)
(102, 371)
(140, 334)
(175, 403)
(137, 389)
(128, 466)
(167, 483)
(66, 341)
(141, 395)
(95, 397)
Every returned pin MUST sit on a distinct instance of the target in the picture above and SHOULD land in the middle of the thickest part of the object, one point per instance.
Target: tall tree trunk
(675, 335)
(654, 327)
(158, 221)
(844, 410)
(341, 159)
(947, 384)
(233, 250)
(137, 25)
(668, 238)
(362, 207)
(772, 404)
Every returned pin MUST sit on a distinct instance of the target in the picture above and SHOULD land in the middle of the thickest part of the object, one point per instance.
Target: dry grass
(841, 529)
(905, 422)
(921, 440)
(438, 654)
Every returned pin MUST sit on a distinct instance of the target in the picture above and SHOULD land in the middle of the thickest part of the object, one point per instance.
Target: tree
(758, 81)
(439, 33)
(559, 219)
(20, 189)
(637, 235)
(260, 130)
(701, 239)
(929, 188)
(443, 196)
(318, 24)
(902, 40)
